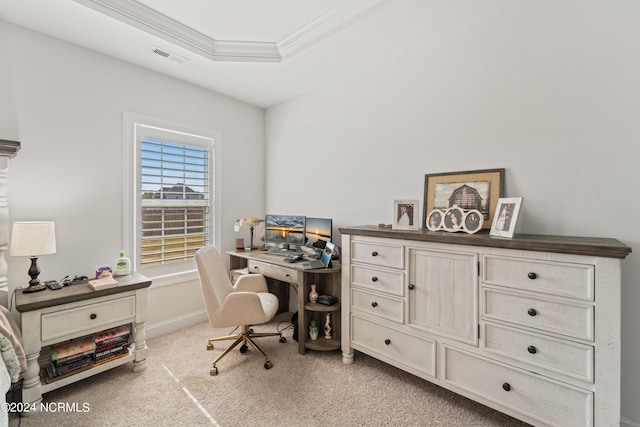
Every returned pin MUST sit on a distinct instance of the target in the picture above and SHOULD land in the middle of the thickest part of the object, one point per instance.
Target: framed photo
(453, 219)
(434, 221)
(504, 223)
(467, 190)
(405, 215)
(473, 221)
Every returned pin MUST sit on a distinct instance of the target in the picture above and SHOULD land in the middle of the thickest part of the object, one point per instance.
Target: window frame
(135, 127)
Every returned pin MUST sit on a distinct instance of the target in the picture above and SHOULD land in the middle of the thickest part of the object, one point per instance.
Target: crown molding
(330, 21)
(148, 20)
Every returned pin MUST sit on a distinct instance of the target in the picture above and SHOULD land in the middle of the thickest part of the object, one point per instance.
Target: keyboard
(285, 253)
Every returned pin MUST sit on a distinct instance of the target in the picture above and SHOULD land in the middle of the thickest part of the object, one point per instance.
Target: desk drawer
(273, 271)
(88, 318)
(550, 402)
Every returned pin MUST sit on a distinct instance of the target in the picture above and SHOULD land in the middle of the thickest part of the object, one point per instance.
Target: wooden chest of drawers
(528, 326)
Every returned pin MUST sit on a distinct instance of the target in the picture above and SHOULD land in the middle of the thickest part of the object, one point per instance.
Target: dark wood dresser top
(593, 246)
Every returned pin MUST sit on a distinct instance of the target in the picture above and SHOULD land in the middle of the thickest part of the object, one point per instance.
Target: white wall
(67, 104)
(549, 91)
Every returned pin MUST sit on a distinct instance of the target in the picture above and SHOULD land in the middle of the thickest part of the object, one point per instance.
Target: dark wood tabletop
(77, 292)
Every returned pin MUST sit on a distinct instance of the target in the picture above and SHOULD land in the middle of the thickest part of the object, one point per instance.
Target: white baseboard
(175, 324)
(628, 422)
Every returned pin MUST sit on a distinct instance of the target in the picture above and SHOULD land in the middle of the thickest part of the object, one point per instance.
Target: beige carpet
(316, 389)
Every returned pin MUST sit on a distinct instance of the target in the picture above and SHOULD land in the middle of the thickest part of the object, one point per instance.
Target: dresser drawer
(375, 253)
(87, 318)
(388, 281)
(564, 279)
(547, 401)
(571, 319)
(274, 271)
(573, 359)
(384, 307)
(395, 347)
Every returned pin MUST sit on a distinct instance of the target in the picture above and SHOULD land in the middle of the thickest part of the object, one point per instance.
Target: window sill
(173, 279)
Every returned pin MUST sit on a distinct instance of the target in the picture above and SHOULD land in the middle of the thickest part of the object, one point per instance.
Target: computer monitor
(318, 232)
(287, 229)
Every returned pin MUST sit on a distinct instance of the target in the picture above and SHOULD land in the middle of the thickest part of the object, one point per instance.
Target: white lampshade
(33, 238)
(250, 220)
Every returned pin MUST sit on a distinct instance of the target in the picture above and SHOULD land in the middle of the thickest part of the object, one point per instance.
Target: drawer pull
(374, 279)
(532, 275)
(412, 287)
(387, 341)
(255, 267)
(532, 349)
(506, 387)
(374, 253)
(532, 312)
(93, 316)
(374, 304)
(287, 275)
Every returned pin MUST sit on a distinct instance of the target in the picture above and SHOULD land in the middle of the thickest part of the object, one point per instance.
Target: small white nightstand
(50, 317)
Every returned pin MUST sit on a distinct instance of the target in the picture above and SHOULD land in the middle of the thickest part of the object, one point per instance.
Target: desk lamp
(252, 222)
(32, 239)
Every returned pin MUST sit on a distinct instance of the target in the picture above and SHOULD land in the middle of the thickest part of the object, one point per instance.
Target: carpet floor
(316, 389)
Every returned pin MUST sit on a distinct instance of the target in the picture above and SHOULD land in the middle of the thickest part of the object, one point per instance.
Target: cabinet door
(443, 293)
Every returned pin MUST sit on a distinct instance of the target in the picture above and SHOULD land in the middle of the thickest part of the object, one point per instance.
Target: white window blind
(175, 201)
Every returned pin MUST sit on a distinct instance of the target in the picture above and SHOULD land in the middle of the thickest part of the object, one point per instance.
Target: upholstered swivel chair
(246, 303)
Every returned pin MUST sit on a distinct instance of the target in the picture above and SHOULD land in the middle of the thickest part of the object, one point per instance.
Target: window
(172, 189)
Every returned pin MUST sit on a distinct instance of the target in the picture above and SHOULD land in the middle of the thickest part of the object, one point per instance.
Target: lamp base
(34, 272)
(36, 288)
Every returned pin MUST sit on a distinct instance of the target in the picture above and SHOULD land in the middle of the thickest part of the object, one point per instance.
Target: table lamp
(32, 239)
(252, 222)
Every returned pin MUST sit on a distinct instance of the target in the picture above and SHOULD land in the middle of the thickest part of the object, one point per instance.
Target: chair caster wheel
(243, 348)
(213, 372)
(283, 340)
(209, 346)
(268, 364)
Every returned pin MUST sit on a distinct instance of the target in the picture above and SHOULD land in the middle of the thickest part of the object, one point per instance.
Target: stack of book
(111, 344)
(83, 353)
(70, 358)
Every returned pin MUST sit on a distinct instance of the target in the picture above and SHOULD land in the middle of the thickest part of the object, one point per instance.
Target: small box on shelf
(327, 299)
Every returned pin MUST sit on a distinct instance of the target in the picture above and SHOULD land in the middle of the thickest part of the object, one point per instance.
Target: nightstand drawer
(566, 318)
(394, 346)
(557, 355)
(87, 318)
(389, 281)
(380, 254)
(550, 402)
(378, 305)
(277, 272)
(571, 280)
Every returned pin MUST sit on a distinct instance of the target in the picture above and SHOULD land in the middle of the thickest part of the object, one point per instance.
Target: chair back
(214, 281)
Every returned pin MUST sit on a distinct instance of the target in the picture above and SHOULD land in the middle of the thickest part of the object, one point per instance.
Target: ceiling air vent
(166, 54)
